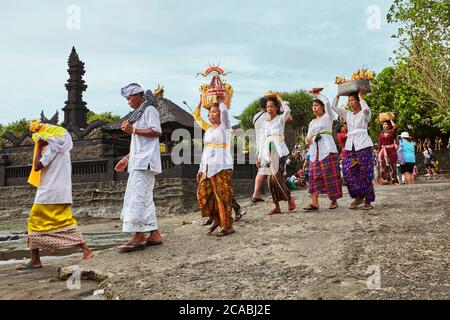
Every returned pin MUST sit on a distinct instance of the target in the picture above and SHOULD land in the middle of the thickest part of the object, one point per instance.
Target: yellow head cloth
(44, 132)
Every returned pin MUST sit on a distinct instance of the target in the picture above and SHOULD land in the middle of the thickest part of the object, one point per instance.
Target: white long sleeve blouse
(273, 131)
(324, 127)
(357, 125)
(216, 153)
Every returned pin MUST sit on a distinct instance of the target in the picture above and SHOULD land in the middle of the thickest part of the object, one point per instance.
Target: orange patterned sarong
(215, 196)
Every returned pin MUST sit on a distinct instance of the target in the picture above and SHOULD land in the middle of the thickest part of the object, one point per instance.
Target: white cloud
(282, 45)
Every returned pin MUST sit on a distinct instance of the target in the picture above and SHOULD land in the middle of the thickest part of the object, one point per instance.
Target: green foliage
(423, 58)
(247, 115)
(391, 94)
(300, 102)
(105, 117)
(18, 128)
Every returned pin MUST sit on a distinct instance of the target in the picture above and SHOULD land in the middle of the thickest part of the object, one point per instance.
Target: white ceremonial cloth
(139, 211)
(55, 186)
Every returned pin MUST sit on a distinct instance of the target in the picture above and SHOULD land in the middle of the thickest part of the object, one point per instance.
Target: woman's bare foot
(292, 205)
(87, 253)
(274, 211)
(87, 256)
(333, 205)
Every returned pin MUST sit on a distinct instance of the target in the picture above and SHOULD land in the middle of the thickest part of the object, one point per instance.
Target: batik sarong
(277, 183)
(358, 173)
(215, 196)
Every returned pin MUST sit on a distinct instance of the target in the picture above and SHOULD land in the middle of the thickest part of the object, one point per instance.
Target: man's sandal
(132, 246)
(28, 266)
(153, 242)
(254, 200)
(367, 207)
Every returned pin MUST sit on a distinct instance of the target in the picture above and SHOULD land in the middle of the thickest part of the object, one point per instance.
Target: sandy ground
(322, 255)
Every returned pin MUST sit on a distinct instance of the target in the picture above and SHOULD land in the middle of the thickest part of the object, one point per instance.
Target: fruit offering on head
(316, 90)
(340, 80)
(363, 74)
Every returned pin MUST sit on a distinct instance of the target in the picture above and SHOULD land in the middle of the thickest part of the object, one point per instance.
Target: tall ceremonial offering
(216, 88)
(360, 78)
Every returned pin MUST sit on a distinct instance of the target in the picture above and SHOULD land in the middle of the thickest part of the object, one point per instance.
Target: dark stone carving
(54, 120)
(80, 134)
(16, 141)
(75, 110)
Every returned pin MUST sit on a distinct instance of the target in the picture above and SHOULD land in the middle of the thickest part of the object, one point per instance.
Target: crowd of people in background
(394, 156)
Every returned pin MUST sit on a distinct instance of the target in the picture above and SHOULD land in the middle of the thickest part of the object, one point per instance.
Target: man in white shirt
(263, 172)
(51, 224)
(144, 162)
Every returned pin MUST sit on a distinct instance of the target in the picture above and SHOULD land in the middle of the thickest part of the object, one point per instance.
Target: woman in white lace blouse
(215, 192)
(358, 162)
(274, 152)
(324, 170)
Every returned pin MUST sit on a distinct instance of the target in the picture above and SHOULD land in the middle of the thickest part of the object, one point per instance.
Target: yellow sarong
(52, 218)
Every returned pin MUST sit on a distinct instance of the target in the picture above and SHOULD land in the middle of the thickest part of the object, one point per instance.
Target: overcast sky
(266, 45)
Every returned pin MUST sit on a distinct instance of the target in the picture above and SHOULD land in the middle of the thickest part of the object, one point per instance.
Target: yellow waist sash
(217, 145)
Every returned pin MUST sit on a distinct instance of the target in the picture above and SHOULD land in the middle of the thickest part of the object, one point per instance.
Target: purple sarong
(358, 173)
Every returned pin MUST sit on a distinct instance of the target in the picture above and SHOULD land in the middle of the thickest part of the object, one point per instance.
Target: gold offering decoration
(360, 74)
(271, 95)
(216, 88)
(35, 125)
(159, 91)
(385, 116)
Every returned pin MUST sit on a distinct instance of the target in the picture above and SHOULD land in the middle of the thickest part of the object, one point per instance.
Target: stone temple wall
(173, 196)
